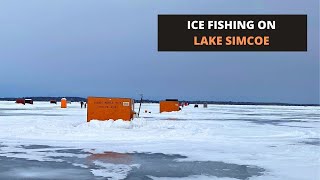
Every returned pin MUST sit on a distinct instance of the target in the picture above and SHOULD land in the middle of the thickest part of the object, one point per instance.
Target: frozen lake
(226, 142)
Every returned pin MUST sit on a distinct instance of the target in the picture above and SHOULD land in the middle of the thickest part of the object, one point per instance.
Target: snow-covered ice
(270, 142)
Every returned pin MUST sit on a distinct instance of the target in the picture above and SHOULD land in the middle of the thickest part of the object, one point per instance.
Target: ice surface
(283, 140)
(192, 178)
(112, 171)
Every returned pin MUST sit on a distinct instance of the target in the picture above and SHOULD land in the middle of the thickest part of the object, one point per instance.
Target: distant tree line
(73, 99)
(78, 99)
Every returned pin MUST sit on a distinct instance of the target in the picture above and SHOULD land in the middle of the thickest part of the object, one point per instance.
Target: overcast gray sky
(109, 48)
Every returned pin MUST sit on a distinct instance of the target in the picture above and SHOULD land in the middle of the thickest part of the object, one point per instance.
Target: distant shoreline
(78, 99)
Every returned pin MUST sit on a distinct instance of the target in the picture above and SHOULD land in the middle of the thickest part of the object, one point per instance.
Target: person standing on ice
(81, 104)
(85, 105)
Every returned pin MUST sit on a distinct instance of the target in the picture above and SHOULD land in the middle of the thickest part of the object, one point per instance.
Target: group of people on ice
(83, 104)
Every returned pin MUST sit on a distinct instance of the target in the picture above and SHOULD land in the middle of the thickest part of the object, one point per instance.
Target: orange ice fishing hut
(20, 101)
(64, 103)
(105, 108)
(169, 105)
